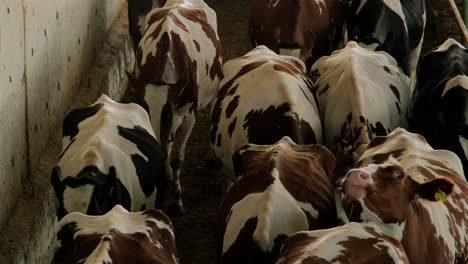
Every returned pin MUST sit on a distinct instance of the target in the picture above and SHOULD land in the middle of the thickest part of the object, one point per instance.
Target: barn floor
(201, 187)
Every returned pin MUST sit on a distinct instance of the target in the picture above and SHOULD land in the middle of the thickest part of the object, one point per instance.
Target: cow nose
(358, 177)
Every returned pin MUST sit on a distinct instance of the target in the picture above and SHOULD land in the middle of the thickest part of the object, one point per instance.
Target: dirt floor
(201, 187)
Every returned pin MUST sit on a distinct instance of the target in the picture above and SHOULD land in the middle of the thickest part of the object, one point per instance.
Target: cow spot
(387, 69)
(232, 106)
(231, 127)
(197, 45)
(378, 129)
(395, 91)
(71, 121)
(324, 90)
(314, 75)
(377, 141)
(266, 127)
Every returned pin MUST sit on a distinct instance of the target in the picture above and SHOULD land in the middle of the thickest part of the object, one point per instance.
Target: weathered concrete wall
(45, 49)
(47, 54)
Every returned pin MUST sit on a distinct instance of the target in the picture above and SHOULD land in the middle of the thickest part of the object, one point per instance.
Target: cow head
(382, 193)
(90, 192)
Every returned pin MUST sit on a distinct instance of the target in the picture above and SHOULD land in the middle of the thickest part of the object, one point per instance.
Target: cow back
(282, 189)
(440, 111)
(116, 237)
(361, 94)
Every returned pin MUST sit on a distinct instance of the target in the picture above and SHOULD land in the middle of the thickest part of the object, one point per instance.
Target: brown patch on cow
(395, 91)
(67, 253)
(231, 127)
(198, 16)
(197, 46)
(380, 158)
(293, 248)
(387, 69)
(363, 248)
(285, 66)
(281, 122)
(377, 141)
(232, 106)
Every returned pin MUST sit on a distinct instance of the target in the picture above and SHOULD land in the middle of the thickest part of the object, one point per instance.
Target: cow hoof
(174, 210)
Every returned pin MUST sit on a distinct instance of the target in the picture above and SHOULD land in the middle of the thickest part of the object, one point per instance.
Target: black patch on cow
(280, 122)
(108, 189)
(218, 141)
(349, 117)
(398, 107)
(232, 106)
(71, 121)
(150, 173)
(231, 127)
(362, 119)
(377, 141)
(246, 250)
(442, 120)
(65, 150)
(387, 69)
(197, 45)
(378, 129)
(395, 91)
(135, 10)
(377, 23)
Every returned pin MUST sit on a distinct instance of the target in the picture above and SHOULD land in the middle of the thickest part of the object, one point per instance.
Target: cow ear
(56, 181)
(436, 190)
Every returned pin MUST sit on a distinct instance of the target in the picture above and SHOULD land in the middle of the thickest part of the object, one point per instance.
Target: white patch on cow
(270, 208)
(395, 5)
(99, 144)
(156, 97)
(464, 144)
(447, 44)
(320, 4)
(460, 80)
(359, 74)
(142, 24)
(290, 52)
(77, 199)
(281, 88)
(414, 58)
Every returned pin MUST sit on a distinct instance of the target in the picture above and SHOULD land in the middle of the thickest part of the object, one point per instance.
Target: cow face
(91, 192)
(384, 192)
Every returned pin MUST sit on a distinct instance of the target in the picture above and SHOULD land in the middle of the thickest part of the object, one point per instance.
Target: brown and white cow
(177, 72)
(361, 94)
(394, 26)
(306, 29)
(116, 237)
(137, 11)
(415, 194)
(263, 97)
(353, 243)
(282, 189)
(440, 110)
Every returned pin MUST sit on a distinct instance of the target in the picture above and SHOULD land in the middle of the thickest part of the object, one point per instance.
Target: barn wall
(47, 48)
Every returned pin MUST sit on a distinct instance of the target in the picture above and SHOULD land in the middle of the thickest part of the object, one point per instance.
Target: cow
(109, 156)
(137, 11)
(361, 94)
(394, 26)
(307, 29)
(440, 111)
(177, 72)
(282, 189)
(116, 237)
(353, 243)
(415, 194)
(262, 98)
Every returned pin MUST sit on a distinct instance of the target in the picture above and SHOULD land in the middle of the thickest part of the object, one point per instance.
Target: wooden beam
(459, 18)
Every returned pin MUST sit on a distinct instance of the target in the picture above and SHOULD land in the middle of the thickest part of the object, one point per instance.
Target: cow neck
(394, 230)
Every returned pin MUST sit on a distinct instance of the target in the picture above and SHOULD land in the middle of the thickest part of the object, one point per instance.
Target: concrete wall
(46, 50)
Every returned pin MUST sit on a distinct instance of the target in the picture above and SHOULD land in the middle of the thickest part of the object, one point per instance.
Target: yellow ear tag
(440, 196)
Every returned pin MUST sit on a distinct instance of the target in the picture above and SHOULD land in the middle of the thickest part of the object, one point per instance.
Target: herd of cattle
(311, 130)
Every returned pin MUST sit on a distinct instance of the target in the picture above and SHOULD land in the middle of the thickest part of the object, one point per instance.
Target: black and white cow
(137, 11)
(116, 237)
(281, 189)
(414, 194)
(394, 26)
(263, 97)
(109, 156)
(440, 111)
(361, 94)
(177, 72)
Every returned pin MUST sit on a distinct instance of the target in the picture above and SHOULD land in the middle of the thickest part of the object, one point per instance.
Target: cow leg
(180, 142)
